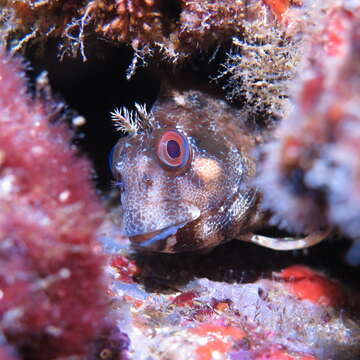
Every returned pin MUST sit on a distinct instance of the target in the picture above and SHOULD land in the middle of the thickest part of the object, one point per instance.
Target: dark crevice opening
(93, 89)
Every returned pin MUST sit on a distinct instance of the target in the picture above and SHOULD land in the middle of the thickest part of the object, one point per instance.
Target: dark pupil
(173, 149)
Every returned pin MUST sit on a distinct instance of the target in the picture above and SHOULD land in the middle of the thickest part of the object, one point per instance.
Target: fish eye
(173, 149)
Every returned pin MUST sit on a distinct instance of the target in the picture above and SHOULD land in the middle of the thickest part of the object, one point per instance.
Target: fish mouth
(154, 236)
(155, 240)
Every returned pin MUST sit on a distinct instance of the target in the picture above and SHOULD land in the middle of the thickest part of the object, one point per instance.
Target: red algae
(213, 348)
(308, 284)
(278, 7)
(184, 299)
(52, 284)
(126, 269)
(219, 330)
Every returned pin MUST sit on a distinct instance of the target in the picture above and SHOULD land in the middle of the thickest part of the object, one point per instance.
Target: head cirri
(182, 171)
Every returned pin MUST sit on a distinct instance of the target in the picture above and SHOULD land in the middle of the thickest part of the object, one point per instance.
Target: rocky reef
(71, 285)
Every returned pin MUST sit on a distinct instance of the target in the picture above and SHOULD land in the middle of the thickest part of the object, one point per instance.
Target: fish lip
(152, 240)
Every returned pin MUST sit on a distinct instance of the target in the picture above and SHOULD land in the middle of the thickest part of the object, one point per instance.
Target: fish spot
(207, 169)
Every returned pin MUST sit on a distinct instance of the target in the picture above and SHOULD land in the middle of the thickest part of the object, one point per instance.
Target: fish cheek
(208, 183)
(153, 202)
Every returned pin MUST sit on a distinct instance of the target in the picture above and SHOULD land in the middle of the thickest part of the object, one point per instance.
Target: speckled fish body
(197, 204)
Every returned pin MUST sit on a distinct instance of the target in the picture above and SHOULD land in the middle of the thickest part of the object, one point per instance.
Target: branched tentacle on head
(132, 121)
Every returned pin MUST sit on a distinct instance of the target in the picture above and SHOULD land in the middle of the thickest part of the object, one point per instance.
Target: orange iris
(173, 149)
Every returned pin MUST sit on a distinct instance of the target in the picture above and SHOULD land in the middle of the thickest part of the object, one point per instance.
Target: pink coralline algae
(52, 287)
(310, 177)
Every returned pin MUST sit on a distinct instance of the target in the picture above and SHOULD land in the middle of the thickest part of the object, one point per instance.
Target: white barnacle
(132, 122)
